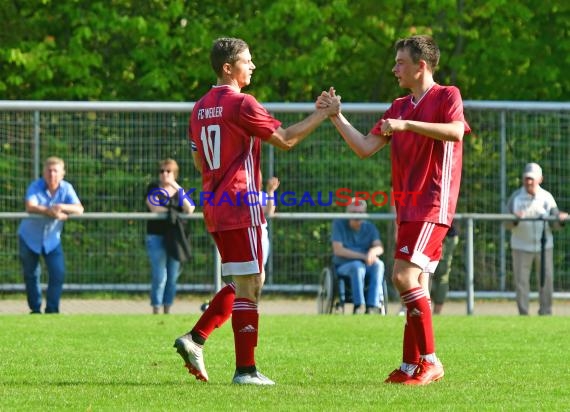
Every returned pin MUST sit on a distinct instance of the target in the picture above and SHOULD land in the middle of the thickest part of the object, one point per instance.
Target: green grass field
(320, 363)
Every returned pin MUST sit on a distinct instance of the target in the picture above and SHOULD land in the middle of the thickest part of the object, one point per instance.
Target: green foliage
(124, 50)
(119, 362)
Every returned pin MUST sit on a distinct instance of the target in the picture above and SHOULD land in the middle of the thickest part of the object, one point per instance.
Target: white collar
(421, 97)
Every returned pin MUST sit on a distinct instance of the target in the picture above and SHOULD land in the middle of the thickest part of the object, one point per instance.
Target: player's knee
(249, 287)
(400, 281)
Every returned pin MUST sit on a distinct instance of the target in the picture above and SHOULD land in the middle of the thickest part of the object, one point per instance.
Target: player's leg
(245, 320)
(425, 282)
(190, 346)
(245, 264)
(427, 253)
(219, 309)
(418, 250)
(403, 276)
(245, 325)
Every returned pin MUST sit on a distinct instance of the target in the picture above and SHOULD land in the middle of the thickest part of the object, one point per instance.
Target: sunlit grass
(320, 363)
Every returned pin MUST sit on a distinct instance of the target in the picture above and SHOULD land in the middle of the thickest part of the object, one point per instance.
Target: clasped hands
(328, 102)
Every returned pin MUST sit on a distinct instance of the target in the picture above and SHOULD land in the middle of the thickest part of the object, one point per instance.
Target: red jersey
(426, 173)
(226, 129)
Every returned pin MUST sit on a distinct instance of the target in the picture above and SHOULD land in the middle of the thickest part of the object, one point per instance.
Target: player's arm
(363, 146)
(449, 132)
(452, 129)
(328, 104)
(288, 138)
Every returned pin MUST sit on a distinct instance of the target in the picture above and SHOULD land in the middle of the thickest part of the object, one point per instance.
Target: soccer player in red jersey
(425, 130)
(226, 131)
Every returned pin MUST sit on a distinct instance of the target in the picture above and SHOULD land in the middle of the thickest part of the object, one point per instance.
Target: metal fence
(112, 151)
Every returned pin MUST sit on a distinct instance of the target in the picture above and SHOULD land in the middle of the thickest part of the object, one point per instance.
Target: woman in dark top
(161, 195)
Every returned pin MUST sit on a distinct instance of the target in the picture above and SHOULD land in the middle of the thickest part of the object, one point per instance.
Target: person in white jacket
(532, 201)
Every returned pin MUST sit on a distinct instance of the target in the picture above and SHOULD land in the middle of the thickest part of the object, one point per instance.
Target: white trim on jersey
(446, 176)
(254, 209)
(252, 231)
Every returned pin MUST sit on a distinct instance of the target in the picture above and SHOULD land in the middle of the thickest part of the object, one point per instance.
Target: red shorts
(241, 250)
(420, 243)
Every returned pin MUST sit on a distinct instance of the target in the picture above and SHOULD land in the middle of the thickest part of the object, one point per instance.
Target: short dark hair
(420, 47)
(225, 50)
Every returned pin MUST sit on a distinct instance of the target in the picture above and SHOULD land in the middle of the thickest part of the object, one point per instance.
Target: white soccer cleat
(253, 378)
(193, 356)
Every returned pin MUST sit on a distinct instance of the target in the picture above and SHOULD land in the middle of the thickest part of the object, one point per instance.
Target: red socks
(411, 351)
(245, 320)
(418, 332)
(218, 312)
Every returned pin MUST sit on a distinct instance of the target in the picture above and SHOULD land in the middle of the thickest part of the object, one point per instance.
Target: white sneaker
(382, 309)
(254, 378)
(193, 356)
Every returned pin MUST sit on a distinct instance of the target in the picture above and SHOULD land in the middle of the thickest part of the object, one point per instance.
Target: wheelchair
(328, 295)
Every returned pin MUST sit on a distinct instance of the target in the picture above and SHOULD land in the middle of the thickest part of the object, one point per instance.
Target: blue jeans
(357, 271)
(55, 263)
(164, 270)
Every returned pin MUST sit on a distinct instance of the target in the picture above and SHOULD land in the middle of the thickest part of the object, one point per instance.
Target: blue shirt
(45, 231)
(359, 241)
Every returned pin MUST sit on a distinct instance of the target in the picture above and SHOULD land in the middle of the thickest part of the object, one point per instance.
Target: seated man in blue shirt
(54, 199)
(356, 247)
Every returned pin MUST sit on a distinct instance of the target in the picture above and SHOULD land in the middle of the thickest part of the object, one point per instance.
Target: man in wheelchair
(356, 249)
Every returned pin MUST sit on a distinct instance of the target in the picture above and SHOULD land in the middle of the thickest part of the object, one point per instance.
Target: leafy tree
(158, 50)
